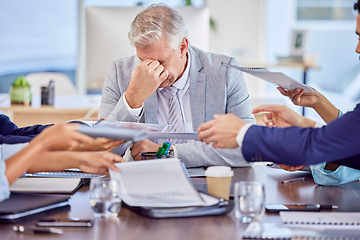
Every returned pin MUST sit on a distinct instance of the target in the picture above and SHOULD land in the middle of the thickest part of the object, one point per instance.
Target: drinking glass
(249, 200)
(105, 197)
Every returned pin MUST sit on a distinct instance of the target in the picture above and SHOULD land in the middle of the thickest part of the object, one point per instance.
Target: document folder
(222, 207)
(114, 133)
(21, 206)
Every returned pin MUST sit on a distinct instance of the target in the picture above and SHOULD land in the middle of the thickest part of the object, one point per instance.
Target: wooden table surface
(130, 225)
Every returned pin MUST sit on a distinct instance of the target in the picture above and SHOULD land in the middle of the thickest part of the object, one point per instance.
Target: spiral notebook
(274, 231)
(276, 78)
(328, 219)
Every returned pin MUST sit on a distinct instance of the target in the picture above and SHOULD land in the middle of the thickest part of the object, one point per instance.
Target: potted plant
(20, 92)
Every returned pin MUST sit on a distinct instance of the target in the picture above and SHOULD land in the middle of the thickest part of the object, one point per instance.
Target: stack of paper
(156, 183)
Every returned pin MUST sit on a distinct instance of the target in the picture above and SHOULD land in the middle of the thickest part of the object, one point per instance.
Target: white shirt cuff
(135, 112)
(318, 125)
(241, 134)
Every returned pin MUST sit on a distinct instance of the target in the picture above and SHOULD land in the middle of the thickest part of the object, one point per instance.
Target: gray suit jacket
(214, 89)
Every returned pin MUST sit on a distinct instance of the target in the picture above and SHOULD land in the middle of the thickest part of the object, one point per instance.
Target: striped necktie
(175, 116)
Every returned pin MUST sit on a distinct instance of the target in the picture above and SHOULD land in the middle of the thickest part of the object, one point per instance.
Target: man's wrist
(136, 112)
(129, 98)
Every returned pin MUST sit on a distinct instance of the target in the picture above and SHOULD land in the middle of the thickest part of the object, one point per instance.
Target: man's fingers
(267, 118)
(283, 91)
(206, 125)
(268, 108)
(164, 75)
(154, 65)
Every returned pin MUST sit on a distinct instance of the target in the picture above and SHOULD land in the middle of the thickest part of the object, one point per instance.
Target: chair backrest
(63, 85)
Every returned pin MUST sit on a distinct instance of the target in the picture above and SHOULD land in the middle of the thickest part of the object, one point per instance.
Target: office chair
(63, 85)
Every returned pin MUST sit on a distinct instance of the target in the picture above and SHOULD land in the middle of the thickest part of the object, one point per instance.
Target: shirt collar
(181, 82)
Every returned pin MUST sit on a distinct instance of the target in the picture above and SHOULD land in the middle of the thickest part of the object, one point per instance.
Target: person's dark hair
(357, 6)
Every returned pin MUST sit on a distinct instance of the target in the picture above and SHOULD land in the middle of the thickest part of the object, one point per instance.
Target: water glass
(249, 200)
(105, 197)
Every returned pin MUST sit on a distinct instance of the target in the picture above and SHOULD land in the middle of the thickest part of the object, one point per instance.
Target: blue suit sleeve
(337, 141)
(11, 134)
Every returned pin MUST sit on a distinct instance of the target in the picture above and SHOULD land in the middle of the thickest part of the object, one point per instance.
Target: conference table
(130, 225)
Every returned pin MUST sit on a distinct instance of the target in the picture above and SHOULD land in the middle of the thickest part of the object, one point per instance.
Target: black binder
(22, 206)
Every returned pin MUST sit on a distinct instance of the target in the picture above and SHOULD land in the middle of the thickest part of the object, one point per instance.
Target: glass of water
(249, 200)
(105, 197)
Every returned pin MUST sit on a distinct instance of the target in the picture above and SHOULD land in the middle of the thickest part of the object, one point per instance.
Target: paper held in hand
(156, 183)
(277, 78)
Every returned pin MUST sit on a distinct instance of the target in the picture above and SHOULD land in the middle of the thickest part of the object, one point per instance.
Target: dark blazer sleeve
(11, 134)
(338, 141)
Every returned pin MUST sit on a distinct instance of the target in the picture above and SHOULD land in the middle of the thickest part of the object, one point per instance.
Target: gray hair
(155, 22)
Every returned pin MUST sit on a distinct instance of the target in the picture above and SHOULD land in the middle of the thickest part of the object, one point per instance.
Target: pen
(22, 229)
(58, 223)
(294, 180)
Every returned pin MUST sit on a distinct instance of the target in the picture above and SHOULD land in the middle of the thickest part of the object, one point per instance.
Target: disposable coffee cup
(218, 180)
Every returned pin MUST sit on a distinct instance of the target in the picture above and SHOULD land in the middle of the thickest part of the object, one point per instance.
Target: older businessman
(170, 82)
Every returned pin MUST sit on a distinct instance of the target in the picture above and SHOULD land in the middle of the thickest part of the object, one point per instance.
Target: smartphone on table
(276, 208)
(63, 223)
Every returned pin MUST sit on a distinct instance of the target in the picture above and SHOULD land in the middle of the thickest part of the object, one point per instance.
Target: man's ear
(184, 46)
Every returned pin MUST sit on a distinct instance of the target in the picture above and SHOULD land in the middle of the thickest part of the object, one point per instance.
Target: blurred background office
(55, 36)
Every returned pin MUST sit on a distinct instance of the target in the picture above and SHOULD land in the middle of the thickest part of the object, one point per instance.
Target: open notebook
(273, 231)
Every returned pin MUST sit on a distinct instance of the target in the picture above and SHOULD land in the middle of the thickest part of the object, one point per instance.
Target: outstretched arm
(327, 111)
(58, 137)
(281, 116)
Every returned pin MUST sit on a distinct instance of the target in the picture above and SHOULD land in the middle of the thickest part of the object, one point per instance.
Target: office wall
(240, 32)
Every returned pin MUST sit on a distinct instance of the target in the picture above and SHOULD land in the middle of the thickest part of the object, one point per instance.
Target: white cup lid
(219, 171)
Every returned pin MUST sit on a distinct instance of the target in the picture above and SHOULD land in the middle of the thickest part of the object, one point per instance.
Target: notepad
(333, 219)
(70, 173)
(273, 231)
(46, 185)
(276, 78)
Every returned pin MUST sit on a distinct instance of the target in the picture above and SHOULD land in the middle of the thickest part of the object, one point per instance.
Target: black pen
(327, 206)
(22, 229)
(293, 180)
(58, 223)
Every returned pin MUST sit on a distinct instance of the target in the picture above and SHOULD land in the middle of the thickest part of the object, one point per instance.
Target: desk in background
(130, 225)
(304, 66)
(65, 108)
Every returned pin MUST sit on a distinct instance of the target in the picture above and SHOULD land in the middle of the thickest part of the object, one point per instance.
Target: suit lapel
(197, 90)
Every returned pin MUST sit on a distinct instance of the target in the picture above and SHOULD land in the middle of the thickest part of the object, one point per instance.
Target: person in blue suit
(11, 134)
(337, 142)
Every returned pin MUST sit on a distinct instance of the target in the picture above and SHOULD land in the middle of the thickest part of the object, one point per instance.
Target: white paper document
(169, 135)
(156, 183)
(276, 78)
